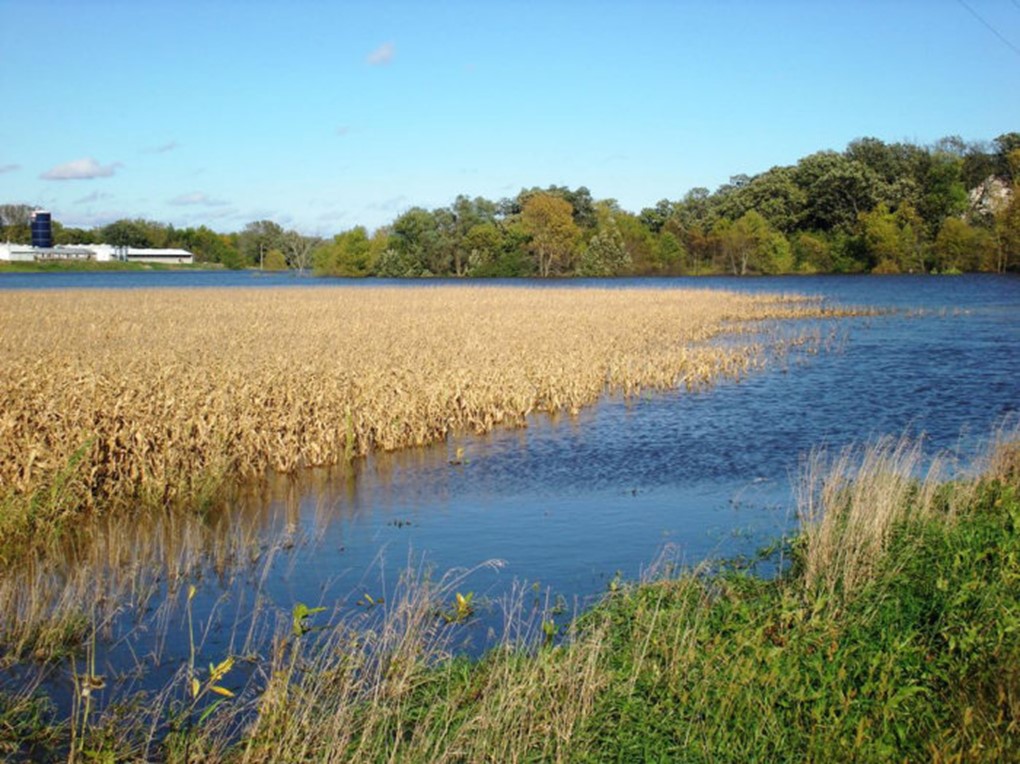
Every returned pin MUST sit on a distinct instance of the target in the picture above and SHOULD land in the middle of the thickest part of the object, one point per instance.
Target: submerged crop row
(113, 398)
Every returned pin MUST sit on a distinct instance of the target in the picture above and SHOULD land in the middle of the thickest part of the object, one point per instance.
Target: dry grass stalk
(54, 596)
(351, 697)
(849, 506)
(1003, 460)
(167, 395)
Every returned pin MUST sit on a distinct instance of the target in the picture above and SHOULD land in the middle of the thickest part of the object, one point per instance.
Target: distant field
(116, 397)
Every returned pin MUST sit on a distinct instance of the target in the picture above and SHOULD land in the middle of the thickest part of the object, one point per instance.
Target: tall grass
(851, 504)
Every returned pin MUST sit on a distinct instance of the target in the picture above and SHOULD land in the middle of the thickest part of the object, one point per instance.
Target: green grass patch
(27, 732)
(922, 664)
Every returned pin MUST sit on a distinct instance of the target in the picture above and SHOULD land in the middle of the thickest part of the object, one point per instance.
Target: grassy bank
(893, 634)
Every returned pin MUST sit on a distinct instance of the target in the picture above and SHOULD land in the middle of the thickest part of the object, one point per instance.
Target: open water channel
(568, 503)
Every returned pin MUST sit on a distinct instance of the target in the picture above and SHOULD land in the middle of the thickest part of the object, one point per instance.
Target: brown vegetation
(113, 399)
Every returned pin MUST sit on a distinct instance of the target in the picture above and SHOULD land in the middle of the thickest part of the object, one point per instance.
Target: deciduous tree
(15, 222)
(606, 253)
(257, 238)
(549, 221)
(298, 249)
(751, 245)
(962, 247)
(837, 190)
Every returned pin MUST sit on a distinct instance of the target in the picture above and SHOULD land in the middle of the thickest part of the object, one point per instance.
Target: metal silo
(42, 229)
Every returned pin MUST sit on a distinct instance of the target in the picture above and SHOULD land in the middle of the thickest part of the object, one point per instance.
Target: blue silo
(42, 229)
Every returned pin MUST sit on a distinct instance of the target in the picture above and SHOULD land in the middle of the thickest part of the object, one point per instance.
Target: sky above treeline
(326, 115)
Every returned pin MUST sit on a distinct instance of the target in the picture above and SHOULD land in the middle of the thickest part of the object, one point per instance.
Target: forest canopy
(874, 207)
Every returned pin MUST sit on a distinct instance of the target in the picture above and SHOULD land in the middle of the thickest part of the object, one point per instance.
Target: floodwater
(568, 503)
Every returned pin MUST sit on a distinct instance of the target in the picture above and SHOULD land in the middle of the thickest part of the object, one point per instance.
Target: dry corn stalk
(167, 387)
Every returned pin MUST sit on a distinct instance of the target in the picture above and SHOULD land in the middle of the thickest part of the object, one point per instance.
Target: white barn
(174, 256)
(23, 253)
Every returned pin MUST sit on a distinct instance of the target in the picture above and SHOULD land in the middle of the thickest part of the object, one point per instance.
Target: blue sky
(325, 115)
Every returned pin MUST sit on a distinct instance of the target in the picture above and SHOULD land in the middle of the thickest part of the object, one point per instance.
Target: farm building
(23, 253)
(175, 256)
(42, 249)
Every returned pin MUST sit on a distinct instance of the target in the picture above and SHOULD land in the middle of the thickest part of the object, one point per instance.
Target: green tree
(837, 190)
(962, 247)
(484, 243)
(274, 260)
(695, 209)
(515, 258)
(63, 235)
(812, 253)
(424, 240)
(943, 194)
(606, 253)
(1005, 145)
(733, 246)
(701, 245)
(466, 215)
(210, 247)
(1007, 222)
(655, 218)
(135, 233)
(877, 156)
(257, 238)
(979, 163)
(670, 253)
(349, 254)
(894, 239)
(750, 245)
(394, 264)
(638, 242)
(581, 204)
(549, 221)
(15, 223)
(774, 195)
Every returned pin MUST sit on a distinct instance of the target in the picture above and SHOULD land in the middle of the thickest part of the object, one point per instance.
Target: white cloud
(81, 169)
(343, 130)
(382, 55)
(9, 168)
(197, 197)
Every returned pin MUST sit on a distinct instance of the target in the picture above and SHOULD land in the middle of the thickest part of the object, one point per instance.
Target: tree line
(874, 207)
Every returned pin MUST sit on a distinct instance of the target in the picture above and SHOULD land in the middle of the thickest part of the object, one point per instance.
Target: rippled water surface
(568, 502)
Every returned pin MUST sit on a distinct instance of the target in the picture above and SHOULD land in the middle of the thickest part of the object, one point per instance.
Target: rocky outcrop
(988, 197)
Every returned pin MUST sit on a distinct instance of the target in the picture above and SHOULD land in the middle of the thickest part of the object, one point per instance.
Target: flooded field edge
(411, 511)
